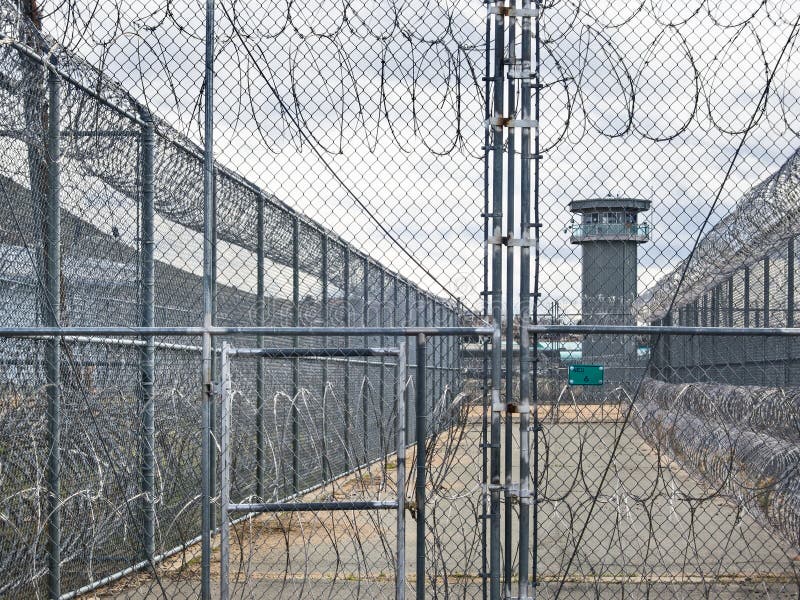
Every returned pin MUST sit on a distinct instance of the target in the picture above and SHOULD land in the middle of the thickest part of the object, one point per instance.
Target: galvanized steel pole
(421, 480)
(365, 382)
(326, 470)
(52, 291)
(525, 298)
(790, 266)
(147, 352)
(497, 306)
(213, 425)
(225, 468)
(382, 378)
(485, 299)
(508, 451)
(260, 321)
(346, 433)
(400, 374)
(208, 378)
(295, 416)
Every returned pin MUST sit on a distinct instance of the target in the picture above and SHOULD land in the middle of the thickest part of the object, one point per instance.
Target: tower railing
(636, 232)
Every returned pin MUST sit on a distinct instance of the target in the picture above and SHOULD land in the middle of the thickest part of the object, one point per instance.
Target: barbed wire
(757, 468)
(370, 71)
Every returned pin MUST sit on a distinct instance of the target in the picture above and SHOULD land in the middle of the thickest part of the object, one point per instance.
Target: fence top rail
(664, 329)
(32, 332)
(312, 352)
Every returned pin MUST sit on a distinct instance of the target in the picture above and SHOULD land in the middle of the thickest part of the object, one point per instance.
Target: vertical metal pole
(212, 424)
(326, 467)
(208, 376)
(494, 485)
(147, 352)
(407, 322)
(524, 309)
(295, 361)
(497, 306)
(696, 354)
(714, 305)
(347, 307)
(400, 443)
(382, 380)
(485, 381)
(790, 284)
(427, 322)
(787, 378)
(395, 305)
(365, 383)
(730, 301)
(261, 450)
(442, 341)
(508, 452)
(225, 483)
(704, 314)
(52, 263)
(766, 291)
(422, 434)
(746, 297)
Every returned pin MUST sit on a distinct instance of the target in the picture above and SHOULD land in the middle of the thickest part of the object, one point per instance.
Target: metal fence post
(212, 424)
(382, 339)
(494, 486)
(208, 376)
(766, 291)
(730, 301)
(421, 435)
(787, 378)
(295, 360)
(790, 258)
(407, 322)
(400, 374)
(510, 182)
(497, 299)
(365, 383)
(326, 470)
(260, 320)
(526, 387)
(147, 353)
(346, 432)
(225, 468)
(442, 341)
(52, 292)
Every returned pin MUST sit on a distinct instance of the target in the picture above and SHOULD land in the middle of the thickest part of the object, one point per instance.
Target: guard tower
(609, 233)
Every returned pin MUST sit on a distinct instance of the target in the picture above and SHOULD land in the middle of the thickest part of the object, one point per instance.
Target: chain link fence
(516, 190)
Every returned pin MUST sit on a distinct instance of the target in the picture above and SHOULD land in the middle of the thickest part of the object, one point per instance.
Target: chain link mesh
(641, 160)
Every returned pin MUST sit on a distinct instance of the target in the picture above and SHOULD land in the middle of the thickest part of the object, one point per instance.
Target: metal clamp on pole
(510, 11)
(509, 122)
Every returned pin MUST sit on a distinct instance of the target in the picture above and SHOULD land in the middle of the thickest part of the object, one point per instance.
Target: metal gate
(235, 509)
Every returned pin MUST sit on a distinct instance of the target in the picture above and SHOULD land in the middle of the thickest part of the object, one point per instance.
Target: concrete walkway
(650, 531)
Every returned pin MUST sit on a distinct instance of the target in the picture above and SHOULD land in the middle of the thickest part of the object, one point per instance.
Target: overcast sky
(644, 99)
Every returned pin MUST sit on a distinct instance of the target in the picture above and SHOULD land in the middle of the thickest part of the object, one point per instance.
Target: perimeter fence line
(105, 207)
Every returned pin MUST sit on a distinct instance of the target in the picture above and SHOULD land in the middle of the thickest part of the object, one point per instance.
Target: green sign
(586, 374)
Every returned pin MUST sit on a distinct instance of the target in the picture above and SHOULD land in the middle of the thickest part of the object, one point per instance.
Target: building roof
(609, 203)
